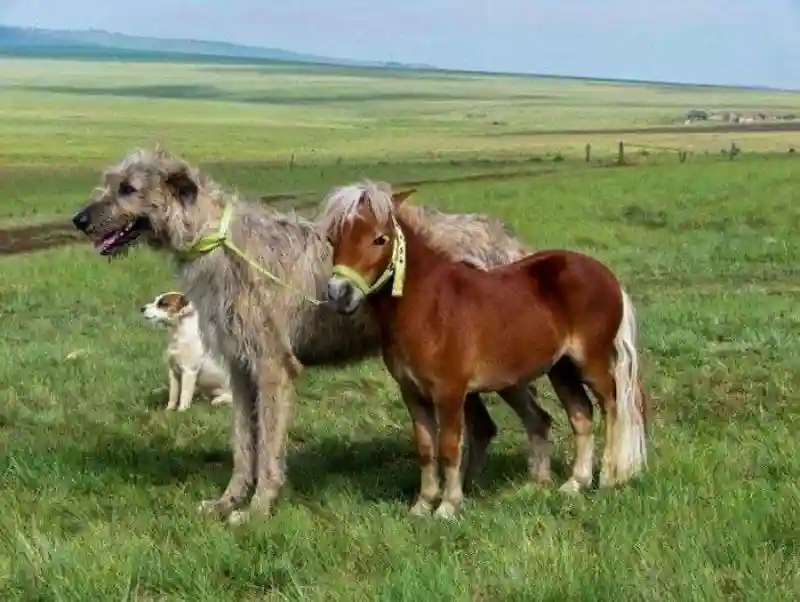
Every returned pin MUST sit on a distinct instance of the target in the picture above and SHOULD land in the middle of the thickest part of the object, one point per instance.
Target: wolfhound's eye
(380, 241)
(125, 189)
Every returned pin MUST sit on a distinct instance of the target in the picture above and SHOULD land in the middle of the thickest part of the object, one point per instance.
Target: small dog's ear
(185, 308)
(182, 185)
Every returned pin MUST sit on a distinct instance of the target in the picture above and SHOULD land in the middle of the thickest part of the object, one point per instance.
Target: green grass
(68, 112)
(99, 484)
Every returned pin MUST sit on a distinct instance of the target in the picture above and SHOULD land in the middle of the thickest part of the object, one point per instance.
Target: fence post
(621, 153)
(291, 162)
(588, 152)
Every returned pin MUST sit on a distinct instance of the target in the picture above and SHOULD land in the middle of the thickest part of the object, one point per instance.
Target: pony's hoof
(238, 518)
(215, 508)
(421, 508)
(445, 511)
(571, 487)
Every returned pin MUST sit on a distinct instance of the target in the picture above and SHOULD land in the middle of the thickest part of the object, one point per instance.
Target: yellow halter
(206, 244)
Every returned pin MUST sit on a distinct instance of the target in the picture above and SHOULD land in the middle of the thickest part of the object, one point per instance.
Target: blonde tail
(628, 447)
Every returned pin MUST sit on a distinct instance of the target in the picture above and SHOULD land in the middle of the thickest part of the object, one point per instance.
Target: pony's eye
(125, 189)
(380, 241)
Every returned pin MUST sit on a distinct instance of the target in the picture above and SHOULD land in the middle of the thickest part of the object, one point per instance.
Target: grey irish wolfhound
(263, 331)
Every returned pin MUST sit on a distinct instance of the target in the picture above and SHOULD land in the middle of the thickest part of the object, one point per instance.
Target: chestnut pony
(450, 328)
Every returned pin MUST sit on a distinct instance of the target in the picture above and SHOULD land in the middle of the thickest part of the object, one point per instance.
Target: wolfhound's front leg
(275, 408)
(243, 443)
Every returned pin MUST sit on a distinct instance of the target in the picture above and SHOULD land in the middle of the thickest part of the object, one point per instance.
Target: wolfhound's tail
(628, 454)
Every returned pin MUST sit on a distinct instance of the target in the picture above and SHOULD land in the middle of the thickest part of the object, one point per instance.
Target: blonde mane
(343, 204)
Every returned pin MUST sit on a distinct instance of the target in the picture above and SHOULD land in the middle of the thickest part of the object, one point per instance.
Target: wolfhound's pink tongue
(108, 240)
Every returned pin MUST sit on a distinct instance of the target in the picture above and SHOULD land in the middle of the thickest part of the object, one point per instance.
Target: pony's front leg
(451, 439)
(423, 417)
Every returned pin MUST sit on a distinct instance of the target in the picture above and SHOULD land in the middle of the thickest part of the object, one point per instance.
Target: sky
(737, 42)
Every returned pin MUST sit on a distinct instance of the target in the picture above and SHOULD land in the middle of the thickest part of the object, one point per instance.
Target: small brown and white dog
(188, 362)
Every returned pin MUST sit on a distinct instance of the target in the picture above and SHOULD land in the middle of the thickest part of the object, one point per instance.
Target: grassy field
(99, 484)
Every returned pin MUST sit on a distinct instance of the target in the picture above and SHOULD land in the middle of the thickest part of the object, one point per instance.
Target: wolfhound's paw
(533, 487)
(183, 408)
(215, 508)
(445, 511)
(420, 508)
(541, 480)
(221, 400)
(238, 518)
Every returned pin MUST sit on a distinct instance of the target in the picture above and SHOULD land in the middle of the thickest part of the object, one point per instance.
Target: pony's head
(368, 246)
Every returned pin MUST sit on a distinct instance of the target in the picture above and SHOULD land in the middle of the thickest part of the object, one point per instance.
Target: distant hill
(32, 42)
(101, 45)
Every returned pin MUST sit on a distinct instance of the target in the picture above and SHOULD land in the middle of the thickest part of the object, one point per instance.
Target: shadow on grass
(153, 461)
(378, 469)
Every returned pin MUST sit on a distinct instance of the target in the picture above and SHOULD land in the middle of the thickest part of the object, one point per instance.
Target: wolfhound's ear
(182, 184)
(399, 197)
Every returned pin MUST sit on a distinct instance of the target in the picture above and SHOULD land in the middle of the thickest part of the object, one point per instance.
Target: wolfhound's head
(150, 196)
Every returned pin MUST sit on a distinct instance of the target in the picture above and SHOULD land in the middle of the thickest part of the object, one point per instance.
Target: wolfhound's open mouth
(117, 240)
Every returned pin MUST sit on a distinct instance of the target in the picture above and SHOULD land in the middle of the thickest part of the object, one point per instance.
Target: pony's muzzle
(343, 296)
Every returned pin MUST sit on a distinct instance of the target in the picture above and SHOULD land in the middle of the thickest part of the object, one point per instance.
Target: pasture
(100, 485)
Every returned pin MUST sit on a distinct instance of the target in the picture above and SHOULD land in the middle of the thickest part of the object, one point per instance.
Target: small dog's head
(168, 309)
(149, 196)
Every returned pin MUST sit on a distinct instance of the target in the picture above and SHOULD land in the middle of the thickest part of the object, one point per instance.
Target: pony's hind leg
(537, 422)
(481, 429)
(423, 417)
(601, 382)
(566, 380)
(622, 445)
(612, 372)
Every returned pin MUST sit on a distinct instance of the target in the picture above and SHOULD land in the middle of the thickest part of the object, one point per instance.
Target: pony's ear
(399, 197)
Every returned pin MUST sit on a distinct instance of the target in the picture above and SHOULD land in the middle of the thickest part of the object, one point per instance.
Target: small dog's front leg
(174, 389)
(188, 381)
